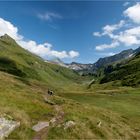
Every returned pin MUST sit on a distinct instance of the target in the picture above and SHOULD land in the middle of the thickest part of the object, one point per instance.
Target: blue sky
(73, 31)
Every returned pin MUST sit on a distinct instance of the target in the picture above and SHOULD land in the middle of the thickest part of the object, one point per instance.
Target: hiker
(50, 92)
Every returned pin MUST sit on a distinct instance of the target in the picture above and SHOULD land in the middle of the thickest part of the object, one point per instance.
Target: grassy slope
(128, 74)
(116, 107)
(22, 91)
(19, 62)
(24, 103)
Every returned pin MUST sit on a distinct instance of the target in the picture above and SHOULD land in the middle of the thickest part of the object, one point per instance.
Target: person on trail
(50, 92)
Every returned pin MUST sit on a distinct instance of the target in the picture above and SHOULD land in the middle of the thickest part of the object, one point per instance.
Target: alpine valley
(103, 105)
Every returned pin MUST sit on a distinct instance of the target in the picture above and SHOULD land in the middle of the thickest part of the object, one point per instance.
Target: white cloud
(124, 35)
(130, 36)
(128, 40)
(107, 46)
(44, 50)
(109, 29)
(49, 16)
(97, 34)
(111, 54)
(7, 27)
(133, 31)
(133, 13)
(127, 37)
(126, 4)
(73, 54)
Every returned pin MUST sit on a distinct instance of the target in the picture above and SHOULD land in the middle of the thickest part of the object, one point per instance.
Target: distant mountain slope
(128, 74)
(118, 57)
(79, 66)
(19, 62)
(93, 68)
(58, 62)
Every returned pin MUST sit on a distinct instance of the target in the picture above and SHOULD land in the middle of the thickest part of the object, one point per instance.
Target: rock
(62, 113)
(7, 116)
(41, 125)
(7, 126)
(53, 120)
(99, 124)
(48, 101)
(69, 124)
(59, 126)
(57, 108)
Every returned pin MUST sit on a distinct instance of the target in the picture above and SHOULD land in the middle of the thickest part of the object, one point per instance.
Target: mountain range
(83, 69)
(92, 68)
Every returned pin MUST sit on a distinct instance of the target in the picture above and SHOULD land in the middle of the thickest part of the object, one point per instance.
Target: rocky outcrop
(7, 126)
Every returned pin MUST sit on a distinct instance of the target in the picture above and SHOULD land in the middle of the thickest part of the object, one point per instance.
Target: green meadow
(25, 80)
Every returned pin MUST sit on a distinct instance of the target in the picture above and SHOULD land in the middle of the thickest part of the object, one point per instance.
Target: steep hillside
(27, 66)
(128, 74)
(103, 62)
(118, 57)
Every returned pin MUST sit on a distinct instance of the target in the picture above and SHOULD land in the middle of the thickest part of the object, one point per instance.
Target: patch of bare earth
(43, 129)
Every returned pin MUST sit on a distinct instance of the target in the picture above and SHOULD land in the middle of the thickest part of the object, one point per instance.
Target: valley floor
(102, 112)
(117, 109)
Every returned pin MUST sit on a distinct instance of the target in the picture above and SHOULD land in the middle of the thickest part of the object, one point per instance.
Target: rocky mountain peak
(7, 38)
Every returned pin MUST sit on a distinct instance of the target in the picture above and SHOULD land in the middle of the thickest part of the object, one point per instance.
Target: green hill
(99, 112)
(128, 73)
(27, 66)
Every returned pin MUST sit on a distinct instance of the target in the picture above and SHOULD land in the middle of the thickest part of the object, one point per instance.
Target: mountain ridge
(26, 65)
(101, 62)
(128, 73)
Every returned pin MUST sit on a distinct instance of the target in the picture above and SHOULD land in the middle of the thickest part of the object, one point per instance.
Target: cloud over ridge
(44, 50)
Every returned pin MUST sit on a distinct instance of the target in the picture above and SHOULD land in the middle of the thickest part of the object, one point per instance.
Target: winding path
(59, 117)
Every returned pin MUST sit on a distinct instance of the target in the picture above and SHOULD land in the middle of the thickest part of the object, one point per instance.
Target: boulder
(99, 124)
(7, 126)
(69, 124)
(40, 125)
